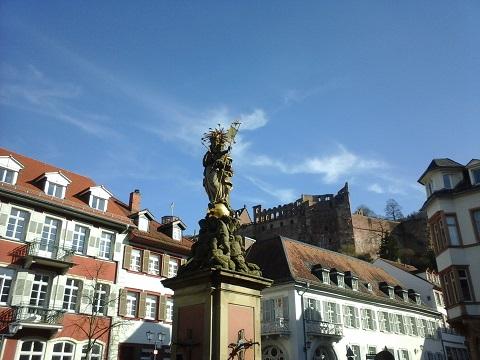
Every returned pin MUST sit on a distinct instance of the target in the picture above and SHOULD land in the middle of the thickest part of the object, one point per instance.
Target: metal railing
(37, 315)
(323, 328)
(277, 326)
(41, 248)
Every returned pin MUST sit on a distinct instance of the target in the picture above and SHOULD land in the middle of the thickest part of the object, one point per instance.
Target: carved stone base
(211, 309)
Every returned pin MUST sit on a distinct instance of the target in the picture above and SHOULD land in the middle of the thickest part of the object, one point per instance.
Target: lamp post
(160, 336)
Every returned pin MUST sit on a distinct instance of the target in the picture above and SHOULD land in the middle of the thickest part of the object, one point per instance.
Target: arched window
(32, 350)
(272, 352)
(63, 351)
(96, 352)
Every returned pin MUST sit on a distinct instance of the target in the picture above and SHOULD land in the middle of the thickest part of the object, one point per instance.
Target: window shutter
(127, 255)
(345, 315)
(165, 261)
(87, 298)
(3, 219)
(285, 307)
(162, 307)
(141, 304)
(19, 289)
(79, 296)
(183, 261)
(146, 257)
(61, 281)
(374, 320)
(364, 319)
(122, 303)
(357, 321)
(325, 311)
(92, 249)
(112, 301)
(338, 313)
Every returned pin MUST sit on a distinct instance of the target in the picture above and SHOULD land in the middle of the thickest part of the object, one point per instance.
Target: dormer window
(391, 293)
(326, 276)
(56, 184)
(387, 289)
(355, 284)
(98, 197)
(418, 300)
(9, 168)
(177, 233)
(352, 280)
(337, 277)
(322, 273)
(142, 219)
(429, 187)
(369, 287)
(447, 182)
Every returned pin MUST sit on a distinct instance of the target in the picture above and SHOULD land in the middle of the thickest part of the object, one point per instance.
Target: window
(136, 260)
(169, 315)
(154, 264)
(331, 312)
(438, 298)
(172, 267)
(31, 350)
(62, 351)
(7, 175)
(151, 302)
(341, 280)
(429, 187)
(80, 235)
(355, 284)
(95, 352)
(356, 352)
(6, 276)
(383, 322)
(326, 277)
(100, 299)
(350, 316)
(391, 293)
(55, 190)
(422, 327)
(457, 286)
(476, 222)
(431, 328)
(70, 295)
(17, 224)
(176, 233)
(447, 182)
(38, 295)
(98, 203)
(372, 350)
(49, 235)
(476, 176)
(399, 324)
(368, 319)
(132, 300)
(105, 245)
(452, 230)
(403, 354)
(411, 326)
(312, 309)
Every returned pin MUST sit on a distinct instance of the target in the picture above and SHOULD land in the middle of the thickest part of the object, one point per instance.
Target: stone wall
(368, 232)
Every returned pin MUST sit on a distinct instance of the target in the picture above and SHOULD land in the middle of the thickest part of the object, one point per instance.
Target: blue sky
(328, 92)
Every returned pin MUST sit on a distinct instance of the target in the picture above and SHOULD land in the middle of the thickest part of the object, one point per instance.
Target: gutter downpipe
(301, 293)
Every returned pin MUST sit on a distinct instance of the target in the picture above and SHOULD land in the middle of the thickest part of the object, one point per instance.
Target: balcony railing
(41, 249)
(323, 328)
(276, 327)
(27, 314)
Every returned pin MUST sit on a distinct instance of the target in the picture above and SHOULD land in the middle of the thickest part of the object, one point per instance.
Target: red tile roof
(33, 169)
(283, 260)
(401, 266)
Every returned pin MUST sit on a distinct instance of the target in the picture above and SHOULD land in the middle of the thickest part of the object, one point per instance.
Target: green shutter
(122, 303)
(141, 304)
(162, 307)
(145, 260)
(165, 261)
(127, 255)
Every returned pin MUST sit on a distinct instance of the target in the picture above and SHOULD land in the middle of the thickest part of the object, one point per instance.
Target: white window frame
(403, 354)
(154, 262)
(384, 322)
(71, 295)
(80, 237)
(447, 181)
(6, 279)
(7, 174)
(176, 233)
(20, 220)
(62, 355)
(132, 304)
(42, 282)
(30, 353)
(172, 267)
(100, 295)
(474, 172)
(453, 231)
(326, 277)
(151, 306)
(357, 352)
(54, 189)
(340, 280)
(96, 202)
(93, 355)
(136, 260)
(106, 242)
(169, 312)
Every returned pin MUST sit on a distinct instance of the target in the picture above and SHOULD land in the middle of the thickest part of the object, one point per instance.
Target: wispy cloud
(297, 95)
(29, 89)
(376, 188)
(282, 195)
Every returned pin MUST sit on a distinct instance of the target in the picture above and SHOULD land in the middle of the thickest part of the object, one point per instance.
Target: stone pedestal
(213, 309)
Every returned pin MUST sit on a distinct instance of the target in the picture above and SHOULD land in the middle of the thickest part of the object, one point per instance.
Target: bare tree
(98, 299)
(393, 211)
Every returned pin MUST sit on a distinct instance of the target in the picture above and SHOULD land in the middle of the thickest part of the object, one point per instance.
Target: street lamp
(160, 337)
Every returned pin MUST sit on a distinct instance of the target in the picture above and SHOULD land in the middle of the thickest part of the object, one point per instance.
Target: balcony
(31, 317)
(47, 255)
(323, 328)
(278, 326)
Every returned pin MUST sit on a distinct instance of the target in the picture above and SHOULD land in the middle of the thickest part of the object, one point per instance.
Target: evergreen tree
(388, 247)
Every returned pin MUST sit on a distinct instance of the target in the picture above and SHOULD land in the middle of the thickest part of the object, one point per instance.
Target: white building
(453, 210)
(152, 252)
(323, 303)
(427, 283)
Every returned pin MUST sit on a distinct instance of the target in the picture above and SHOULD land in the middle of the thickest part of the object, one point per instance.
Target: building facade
(428, 285)
(59, 235)
(326, 305)
(453, 210)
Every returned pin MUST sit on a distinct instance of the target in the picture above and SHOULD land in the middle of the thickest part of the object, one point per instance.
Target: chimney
(135, 199)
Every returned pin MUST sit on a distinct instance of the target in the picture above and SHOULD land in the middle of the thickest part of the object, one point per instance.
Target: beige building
(453, 210)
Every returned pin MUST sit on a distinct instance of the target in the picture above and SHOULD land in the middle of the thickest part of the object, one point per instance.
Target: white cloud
(376, 188)
(282, 195)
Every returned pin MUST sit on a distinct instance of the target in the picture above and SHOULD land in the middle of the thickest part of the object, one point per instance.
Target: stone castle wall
(368, 232)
